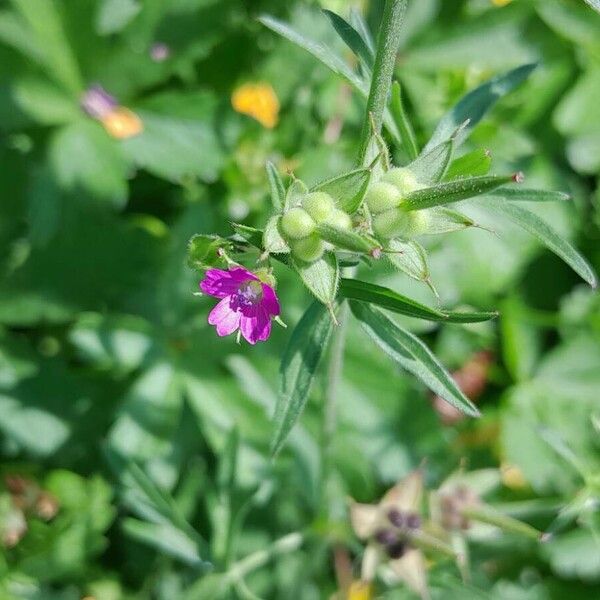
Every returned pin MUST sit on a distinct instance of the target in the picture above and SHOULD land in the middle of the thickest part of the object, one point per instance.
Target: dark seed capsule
(395, 550)
(386, 537)
(413, 521)
(396, 518)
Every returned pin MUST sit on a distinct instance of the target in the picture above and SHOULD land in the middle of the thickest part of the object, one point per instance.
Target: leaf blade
(475, 104)
(412, 355)
(299, 364)
(539, 229)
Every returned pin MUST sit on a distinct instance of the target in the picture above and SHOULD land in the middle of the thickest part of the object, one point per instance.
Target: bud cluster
(385, 199)
(299, 225)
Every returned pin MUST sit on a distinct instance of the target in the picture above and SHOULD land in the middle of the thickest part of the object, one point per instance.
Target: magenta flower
(246, 303)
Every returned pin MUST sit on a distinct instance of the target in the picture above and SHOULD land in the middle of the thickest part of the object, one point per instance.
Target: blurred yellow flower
(512, 476)
(501, 2)
(360, 590)
(257, 100)
(122, 123)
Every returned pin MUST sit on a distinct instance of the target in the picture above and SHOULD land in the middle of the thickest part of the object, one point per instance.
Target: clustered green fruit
(298, 225)
(384, 200)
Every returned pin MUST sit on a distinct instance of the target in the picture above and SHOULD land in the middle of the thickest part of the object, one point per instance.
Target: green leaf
(320, 51)
(348, 189)
(537, 227)
(527, 195)
(272, 241)
(353, 289)
(331, 60)
(112, 342)
(276, 185)
(82, 155)
(173, 148)
(295, 194)
(474, 105)
(115, 15)
(575, 555)
(408, 257)
(320, 277)
(445, 220)
(352, 38)
(306, 346)
(360, 25)
(595, 4)
(346, 239)
(453, 191)
(407, 133)
(44, 102)
(203, 251)
(430, 166)
(165, 538)
(253, 235)
(411, 354)
(145, 499)
(45, 22)
(487, 514)
(472, 164)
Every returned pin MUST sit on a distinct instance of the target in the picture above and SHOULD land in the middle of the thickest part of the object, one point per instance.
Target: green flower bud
(382, 196)
(319, 206)
(296, 224)
(403, 179)
(339, 219)
(308, 249)
(399, 223)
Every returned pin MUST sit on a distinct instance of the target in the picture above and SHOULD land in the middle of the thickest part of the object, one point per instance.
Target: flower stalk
(388, 43)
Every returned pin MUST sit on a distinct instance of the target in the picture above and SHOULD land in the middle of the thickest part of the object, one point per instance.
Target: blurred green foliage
(149, 434)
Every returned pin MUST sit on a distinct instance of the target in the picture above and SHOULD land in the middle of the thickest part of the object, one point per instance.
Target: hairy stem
(388, 42)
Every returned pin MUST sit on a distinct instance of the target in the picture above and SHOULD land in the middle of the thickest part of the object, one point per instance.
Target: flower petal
(224, 318)
(263, 325)
(248, 328)
(270, 301)
(221, 283)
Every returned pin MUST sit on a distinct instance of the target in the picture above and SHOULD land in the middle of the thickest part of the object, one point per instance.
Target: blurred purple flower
(246, 303)
(160, 52)
(97, 102)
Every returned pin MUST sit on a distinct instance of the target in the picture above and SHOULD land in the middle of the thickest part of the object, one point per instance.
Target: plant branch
(388, 43)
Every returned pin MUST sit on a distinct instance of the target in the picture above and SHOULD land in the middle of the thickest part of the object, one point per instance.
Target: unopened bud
(382, 196)
(296, 224)
(400, 223)
(403, 179)
(340, 219)
(319, 206)
(308, 249)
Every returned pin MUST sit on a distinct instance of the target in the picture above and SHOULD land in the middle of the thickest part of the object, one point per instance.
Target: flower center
(250, 293)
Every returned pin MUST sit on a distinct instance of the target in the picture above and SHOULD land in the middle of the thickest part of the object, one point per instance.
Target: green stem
(388, 43)
(288, 543)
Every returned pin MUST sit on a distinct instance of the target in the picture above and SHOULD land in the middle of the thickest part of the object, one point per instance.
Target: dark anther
(396, 517)
(413, 521)
(395, 550)
(386, 537)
